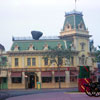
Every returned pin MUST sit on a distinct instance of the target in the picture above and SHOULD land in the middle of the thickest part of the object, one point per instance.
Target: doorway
(31, 79)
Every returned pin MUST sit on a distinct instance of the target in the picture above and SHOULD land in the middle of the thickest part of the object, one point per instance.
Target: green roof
(39, 44)
(74, 19)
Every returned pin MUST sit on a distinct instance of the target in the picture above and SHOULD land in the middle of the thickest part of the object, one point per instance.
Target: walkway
(13, 93)
(55, 96)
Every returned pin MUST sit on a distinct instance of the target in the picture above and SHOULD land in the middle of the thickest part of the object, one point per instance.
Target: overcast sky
(20, 17)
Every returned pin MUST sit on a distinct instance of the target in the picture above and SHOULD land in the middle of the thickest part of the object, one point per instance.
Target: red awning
(16, 74)
(61, 73)
(46, 74)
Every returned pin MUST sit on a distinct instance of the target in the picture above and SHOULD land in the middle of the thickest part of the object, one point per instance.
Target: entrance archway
(31, 80)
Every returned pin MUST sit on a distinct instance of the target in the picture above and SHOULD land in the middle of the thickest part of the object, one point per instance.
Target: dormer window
(45, 47)
(81, 26)
(31, 47)
(59, 46)
(67, 27)
(16, 48)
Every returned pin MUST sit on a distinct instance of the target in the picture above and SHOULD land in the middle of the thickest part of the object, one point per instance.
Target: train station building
(26, 63)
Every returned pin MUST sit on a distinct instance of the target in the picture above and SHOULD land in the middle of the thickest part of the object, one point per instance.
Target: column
(39, 65)
(76, 42)
(53, 77)
(39, 76)
(39, 58)
(9, 77)
(67, 76)
(9, 62)
(23, 62)
(23, 77)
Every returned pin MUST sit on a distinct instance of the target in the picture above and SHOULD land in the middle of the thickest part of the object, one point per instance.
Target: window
(16, 80)
(28, 61)
(73, 78)
(81, 26)
(4, 61)
(83, 59)
(16, 61)
(60, 61)
(62, 79)
(82, 46)
(46, 79)
(46, 61)
(33, 61)
(73, 75)
(68, 26)
(72, 60)
(5, 80)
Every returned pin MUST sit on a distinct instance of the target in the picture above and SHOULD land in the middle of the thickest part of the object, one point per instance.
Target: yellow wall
(37, 62)
(24, 60)
(13, 62)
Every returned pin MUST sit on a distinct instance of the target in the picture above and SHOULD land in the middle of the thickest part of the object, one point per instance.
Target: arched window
(83, 59)
(67, 27)
(81, 26)
(82, 46)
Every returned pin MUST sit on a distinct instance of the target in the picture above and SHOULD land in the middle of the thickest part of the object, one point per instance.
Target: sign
(41, 69)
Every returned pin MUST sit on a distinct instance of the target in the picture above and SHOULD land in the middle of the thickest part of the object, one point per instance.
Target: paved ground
(12, 93)
(55, 96)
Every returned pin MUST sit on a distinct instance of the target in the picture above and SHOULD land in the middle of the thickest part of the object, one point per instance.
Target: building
(26, 63)
(3, 68)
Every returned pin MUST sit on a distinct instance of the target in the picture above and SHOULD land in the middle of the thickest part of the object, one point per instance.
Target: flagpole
(75, 4)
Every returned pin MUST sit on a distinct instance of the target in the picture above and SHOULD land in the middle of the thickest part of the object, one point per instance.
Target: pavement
(55, 96)
(13, 93)
(3, 95)
(45, 94)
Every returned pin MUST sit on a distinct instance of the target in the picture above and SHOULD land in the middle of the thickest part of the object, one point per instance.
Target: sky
(19, 17)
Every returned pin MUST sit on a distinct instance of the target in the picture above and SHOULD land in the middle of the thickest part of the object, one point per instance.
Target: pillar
(39, 76)
(9, 77)
(23, 77)
(67, 76)
(39, 63)
(53, 77)
(23, 62)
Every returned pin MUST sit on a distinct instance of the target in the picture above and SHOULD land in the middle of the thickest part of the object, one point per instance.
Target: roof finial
(75, 4)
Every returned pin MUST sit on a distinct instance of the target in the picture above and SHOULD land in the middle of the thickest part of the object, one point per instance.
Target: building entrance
(31, 80)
